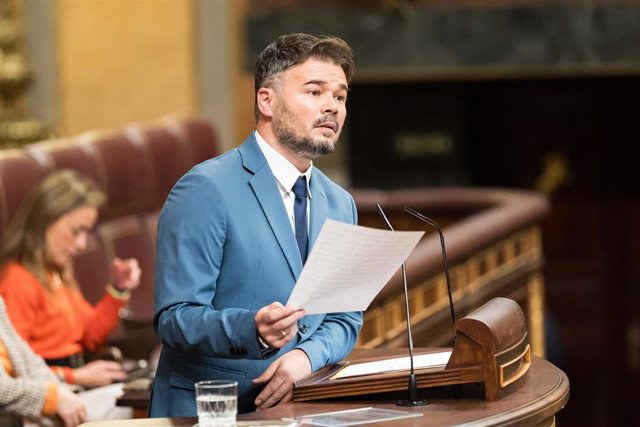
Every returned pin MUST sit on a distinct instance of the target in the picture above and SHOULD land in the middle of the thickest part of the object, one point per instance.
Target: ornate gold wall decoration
(15, 77)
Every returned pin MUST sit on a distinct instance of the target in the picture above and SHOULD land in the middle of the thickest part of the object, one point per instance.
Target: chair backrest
(18, 174)
(136, 167)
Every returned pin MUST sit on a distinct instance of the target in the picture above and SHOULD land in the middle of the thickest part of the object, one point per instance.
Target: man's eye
(314, 92)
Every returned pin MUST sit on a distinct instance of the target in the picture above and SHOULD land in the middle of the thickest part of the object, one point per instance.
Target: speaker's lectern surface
(491, 348)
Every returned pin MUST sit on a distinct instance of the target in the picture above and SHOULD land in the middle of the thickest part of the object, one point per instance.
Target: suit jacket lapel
(266, 191)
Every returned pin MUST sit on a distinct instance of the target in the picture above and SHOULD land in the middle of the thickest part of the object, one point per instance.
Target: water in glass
(215, 410)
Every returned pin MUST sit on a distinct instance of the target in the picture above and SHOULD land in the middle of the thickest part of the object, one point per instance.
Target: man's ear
(265, 99)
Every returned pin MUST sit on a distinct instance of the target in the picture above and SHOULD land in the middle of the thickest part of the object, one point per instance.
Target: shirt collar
(283, 170)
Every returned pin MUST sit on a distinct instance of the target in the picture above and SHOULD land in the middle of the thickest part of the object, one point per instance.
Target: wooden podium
(545, 392)
(535, 404)
(491, 348)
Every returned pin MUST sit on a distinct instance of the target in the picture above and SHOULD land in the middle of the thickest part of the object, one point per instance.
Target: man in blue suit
(234, 234)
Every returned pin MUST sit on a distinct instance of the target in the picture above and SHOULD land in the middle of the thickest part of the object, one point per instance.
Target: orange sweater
(57, 323)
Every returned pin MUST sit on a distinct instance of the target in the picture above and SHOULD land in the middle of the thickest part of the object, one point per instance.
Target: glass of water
(217, 402)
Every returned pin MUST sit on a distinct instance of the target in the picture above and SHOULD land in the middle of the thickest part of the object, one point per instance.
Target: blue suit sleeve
(191, 237)
(333, 340)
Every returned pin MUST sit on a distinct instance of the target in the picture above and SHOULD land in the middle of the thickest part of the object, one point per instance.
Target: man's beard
(288, 129)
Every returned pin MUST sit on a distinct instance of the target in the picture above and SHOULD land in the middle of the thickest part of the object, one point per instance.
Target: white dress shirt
(286, 175)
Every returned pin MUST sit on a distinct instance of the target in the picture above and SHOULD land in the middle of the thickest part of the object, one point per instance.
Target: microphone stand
(444, 260)
(435, 225)
(413, 385)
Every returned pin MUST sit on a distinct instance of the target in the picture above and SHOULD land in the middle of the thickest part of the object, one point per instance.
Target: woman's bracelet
(117, 293)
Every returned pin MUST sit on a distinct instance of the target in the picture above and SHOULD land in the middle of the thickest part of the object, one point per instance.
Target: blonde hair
(58, 194)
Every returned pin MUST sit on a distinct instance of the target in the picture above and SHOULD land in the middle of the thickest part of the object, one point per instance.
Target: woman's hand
(99, 373)
(70, 408)
(125, 274)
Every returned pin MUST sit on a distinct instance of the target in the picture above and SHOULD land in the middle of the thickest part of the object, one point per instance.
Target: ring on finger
(283, 332)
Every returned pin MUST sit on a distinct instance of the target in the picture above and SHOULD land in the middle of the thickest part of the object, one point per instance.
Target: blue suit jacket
(226, 248)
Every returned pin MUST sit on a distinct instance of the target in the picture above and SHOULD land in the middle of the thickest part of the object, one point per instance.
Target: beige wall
(123, 60)
(244, 82)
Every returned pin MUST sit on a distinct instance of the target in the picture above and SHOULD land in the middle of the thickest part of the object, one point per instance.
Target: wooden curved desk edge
(540, 411)
(535, 403)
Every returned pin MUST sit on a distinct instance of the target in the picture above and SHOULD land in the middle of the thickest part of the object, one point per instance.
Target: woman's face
(68, 235)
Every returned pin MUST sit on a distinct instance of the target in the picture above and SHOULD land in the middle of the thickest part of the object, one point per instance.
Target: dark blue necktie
(300, 215)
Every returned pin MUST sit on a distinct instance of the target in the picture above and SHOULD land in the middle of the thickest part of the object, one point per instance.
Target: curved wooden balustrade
(494, 248)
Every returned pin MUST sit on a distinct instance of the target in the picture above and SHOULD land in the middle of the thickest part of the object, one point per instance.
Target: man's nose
(330, 106)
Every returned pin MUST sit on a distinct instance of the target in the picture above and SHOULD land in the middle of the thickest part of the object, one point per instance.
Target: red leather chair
(18, 174)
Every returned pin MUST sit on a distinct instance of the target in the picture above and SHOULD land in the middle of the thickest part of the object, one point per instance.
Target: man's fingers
(284, 335)
(273, 306)
(287, 397)
(278, 338)
(273, 384)
(272, 393)
(267, 374)
(281, 323)
(289, 368)
(275, 394)
(275, 312)
(276, 323)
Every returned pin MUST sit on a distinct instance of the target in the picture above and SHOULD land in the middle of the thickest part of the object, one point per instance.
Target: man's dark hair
(293, 49)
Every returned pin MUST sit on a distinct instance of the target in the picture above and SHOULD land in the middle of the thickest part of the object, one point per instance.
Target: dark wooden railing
(494, 248)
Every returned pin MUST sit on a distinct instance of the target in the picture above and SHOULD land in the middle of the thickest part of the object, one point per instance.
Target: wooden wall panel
(124, 60)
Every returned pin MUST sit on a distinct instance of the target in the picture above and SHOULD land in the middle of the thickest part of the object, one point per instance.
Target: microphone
(444, 260)
(413, 386)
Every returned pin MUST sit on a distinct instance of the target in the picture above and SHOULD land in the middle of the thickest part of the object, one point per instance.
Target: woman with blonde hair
(43, 300)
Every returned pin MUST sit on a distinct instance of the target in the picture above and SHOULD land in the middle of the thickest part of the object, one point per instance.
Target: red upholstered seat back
(18, 174)
(136, 167)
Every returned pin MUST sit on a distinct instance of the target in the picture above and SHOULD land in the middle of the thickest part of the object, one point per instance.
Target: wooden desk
(535, 404)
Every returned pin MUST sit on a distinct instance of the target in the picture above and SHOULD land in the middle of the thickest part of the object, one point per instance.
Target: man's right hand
(70, 408)
(99, 373)
(278, 324)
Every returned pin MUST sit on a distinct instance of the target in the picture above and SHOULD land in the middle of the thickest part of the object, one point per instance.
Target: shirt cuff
(51, 399)
(64, 373)
(265, 349)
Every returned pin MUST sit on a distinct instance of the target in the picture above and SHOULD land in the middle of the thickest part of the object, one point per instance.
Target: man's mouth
(328, 125)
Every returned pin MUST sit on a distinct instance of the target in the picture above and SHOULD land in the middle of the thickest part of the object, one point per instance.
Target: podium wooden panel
(491, 348)
(490, 361)
(534, 404)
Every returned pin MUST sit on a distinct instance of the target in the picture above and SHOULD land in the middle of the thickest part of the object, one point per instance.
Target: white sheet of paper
(349, 265)
(421, 361)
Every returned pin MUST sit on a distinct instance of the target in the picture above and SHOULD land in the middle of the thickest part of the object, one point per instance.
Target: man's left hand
(280, 376)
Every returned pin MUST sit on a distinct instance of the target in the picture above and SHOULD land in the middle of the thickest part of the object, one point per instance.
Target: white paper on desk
(421, 361)
(349, 265)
